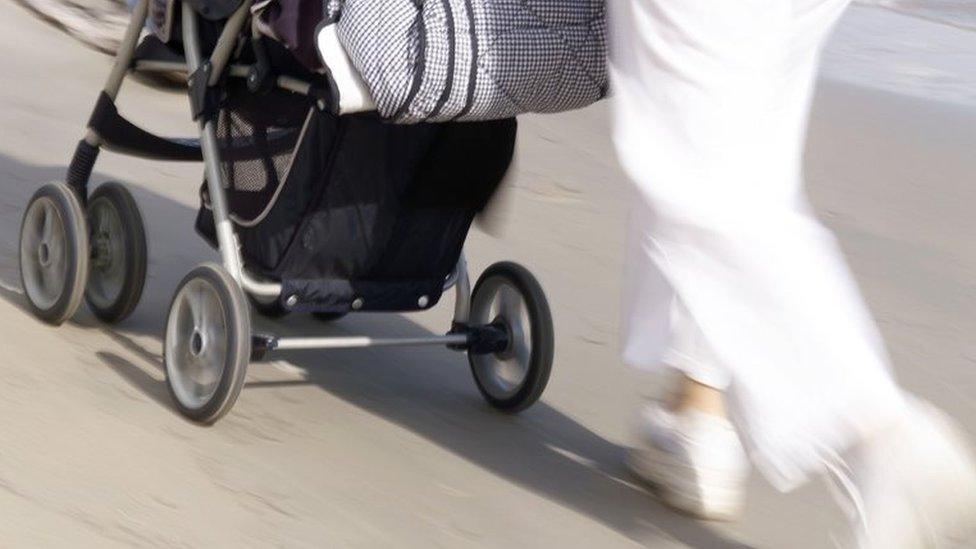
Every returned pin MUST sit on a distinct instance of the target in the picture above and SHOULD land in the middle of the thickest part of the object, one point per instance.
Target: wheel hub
(500, 306)
(107, 258)
(102, 251)
(44, 255)
(196, 343)
(44, 247)
(508, 352)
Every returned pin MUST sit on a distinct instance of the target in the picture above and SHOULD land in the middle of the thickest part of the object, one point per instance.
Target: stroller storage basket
(350, 211)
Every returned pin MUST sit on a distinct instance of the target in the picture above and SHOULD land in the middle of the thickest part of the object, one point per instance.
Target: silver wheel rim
(44, 253)
(502, 374)
(196, 343)
(107, 276)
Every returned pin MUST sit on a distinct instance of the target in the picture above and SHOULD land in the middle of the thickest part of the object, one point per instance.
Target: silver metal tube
(227, 41)
(462, 287)
(160, 66)
(123, 60)
(191, 40)
(226, 239)
(127, 48)
(289, 83)
(92, 138)
(258, 288)
(356, 342)
(294, 85)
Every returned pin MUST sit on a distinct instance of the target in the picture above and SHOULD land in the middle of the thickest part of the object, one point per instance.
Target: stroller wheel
(508, 296)
(54, 253)
(118, 253)
(208, 344)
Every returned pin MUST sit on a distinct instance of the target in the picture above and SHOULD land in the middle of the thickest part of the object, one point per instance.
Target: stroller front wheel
(508, 296)
(54, 253)
(208, 344)
(118, 255)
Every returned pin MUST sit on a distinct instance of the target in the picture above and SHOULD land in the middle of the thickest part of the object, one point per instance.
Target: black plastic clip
(261, 78)
(261, 345)
(203, 97)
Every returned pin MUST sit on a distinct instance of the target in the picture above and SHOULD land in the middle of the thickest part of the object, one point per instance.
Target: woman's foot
(917, 483)
(693, 460)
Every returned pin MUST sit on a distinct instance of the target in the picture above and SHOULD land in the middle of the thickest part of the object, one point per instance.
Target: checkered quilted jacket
(441, 60)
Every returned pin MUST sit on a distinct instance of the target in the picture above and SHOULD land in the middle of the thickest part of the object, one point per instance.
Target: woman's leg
(711, 106)
(736, 275)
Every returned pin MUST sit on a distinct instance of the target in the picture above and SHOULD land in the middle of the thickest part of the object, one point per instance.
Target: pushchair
(312, 211)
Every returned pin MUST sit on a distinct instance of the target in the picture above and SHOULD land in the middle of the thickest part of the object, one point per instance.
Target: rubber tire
(238, 321)
(328, 317)
(72, 215)
(543, 339)
(136, 253)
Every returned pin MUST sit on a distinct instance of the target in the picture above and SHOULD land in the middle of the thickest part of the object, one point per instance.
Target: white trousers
(731, 278)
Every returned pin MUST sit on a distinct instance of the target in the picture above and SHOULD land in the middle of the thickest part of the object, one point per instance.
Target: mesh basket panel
(256, 153)
(260, 164)
(369, 210)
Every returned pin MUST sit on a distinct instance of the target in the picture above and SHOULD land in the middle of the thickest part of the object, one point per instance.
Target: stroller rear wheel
(508, 296)
(54, 253)
(118, 253)
(208, 344)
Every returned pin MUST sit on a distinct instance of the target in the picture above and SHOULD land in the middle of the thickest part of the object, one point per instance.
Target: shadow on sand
(426, 391)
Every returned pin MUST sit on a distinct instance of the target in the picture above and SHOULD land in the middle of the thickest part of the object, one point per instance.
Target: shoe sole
(724, 497)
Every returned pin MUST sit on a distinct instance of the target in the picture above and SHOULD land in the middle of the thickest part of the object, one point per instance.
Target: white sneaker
(918, 484)
(694, 461)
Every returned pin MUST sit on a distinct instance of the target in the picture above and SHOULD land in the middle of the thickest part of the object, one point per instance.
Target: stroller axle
(480, 340)
(358, 342)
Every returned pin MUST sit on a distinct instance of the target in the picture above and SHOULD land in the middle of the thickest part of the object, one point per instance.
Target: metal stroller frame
(110, 130)
(226, 237)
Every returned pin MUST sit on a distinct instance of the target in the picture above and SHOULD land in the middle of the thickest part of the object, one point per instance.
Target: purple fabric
(293, 23)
